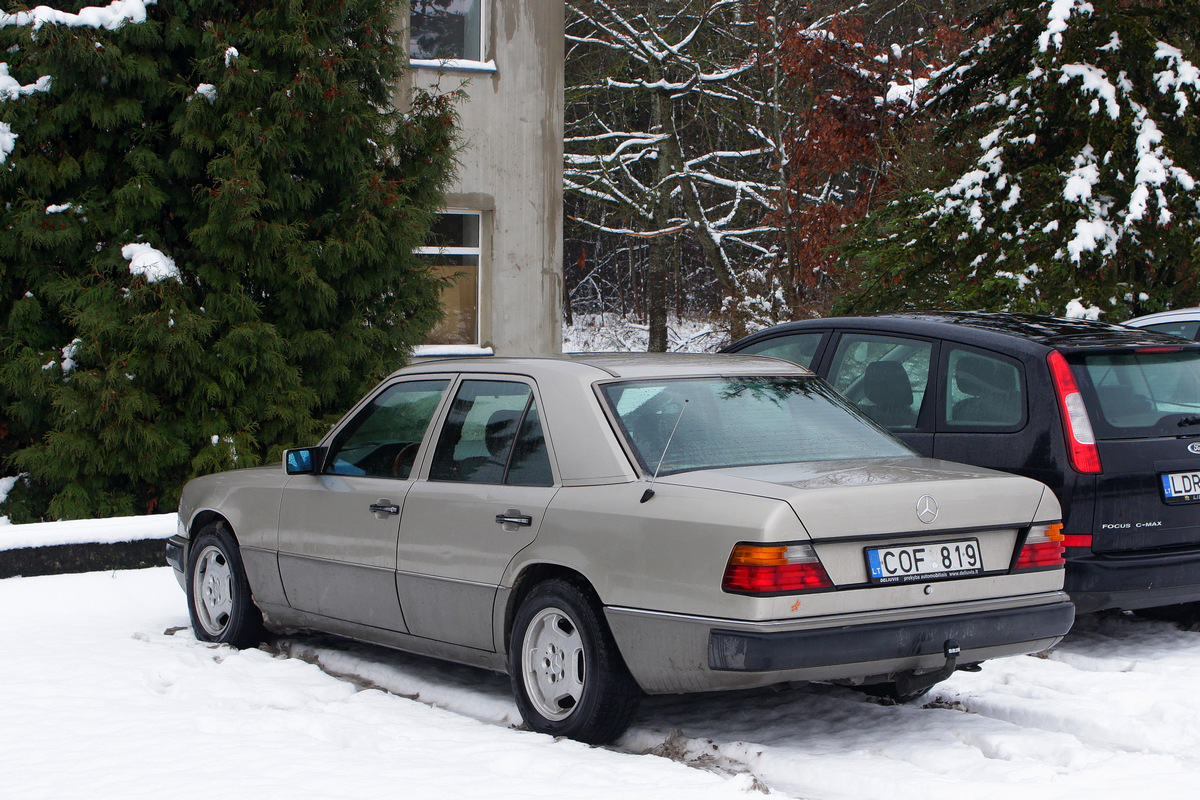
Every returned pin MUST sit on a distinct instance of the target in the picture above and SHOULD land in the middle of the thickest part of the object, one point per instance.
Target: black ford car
(1107, 416)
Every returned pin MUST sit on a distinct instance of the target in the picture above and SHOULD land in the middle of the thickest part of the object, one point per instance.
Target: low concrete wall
(64, 558)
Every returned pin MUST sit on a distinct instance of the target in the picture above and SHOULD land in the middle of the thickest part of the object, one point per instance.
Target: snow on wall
(86, 531)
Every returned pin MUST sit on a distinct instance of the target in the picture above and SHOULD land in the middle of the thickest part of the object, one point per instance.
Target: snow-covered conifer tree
(1071, 183)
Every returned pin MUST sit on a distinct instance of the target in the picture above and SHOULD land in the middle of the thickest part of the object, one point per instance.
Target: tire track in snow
(1113, 711)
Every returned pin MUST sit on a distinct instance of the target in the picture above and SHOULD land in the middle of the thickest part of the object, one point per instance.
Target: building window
(446, 29)
(454, 252)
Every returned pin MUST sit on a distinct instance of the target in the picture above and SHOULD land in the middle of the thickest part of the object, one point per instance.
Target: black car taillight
(1081, 441)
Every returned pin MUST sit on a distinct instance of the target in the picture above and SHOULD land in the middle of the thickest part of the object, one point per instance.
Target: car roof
(598, 366)
(984, 327)
(1166, 316)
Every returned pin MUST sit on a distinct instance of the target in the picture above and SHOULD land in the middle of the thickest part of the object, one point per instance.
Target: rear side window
(1143, 394)
(983, 391)
(799, 348)
(1185, 329)
(493, 434)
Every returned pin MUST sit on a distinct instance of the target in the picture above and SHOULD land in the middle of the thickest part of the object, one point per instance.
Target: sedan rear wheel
(219, 599)
(554, 667)
(568, 677)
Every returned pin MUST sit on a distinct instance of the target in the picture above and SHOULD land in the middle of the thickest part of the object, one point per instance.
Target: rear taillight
(1043, 548)
(1081, 442)
(772, 569)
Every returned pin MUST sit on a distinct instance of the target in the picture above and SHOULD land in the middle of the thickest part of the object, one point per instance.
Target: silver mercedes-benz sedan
(605, 526)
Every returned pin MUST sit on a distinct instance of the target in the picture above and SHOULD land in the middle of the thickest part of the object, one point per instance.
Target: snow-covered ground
(105, 693)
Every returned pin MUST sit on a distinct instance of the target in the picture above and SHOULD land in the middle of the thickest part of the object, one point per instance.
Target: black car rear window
(1143, 394)
(730, 421)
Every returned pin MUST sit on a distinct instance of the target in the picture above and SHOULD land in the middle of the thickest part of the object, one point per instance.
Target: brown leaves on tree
(850, 127)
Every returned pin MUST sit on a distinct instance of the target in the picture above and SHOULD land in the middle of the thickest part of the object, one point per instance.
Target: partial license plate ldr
(924, 562)
(1181, 487)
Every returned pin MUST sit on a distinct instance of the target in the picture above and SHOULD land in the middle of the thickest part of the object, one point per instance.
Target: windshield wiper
(1189, 421)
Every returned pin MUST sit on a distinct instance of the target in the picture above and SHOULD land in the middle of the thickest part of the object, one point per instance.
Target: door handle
(512, 518)
(384, 507)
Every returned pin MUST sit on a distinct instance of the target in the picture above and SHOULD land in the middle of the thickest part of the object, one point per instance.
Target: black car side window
(885, 376)
(382, 440)
(799, 348)
(982, 390)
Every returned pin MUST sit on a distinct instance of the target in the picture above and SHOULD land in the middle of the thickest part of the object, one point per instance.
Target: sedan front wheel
(568, 677)
(219, 600)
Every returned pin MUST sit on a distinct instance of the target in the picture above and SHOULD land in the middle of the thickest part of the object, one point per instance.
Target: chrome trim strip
(443, 579)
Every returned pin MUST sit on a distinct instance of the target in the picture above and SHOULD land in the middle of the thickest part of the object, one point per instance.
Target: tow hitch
(913, 684)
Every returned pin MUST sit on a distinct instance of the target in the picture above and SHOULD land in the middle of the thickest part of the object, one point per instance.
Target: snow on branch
(109, 17)
(1060, 14)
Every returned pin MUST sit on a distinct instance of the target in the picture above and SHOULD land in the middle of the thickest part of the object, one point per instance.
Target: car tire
(567, 675)
(219, 599)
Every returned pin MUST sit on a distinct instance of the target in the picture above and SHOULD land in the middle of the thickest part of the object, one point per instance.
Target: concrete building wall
(511, 170)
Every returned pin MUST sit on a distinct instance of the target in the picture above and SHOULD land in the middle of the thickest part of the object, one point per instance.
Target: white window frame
(477, 251)
(483, 64)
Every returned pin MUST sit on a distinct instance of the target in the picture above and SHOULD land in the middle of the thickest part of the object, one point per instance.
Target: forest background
(754, 161)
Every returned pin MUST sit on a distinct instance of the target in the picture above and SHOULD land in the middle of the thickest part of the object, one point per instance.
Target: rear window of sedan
(1144, 394)
(709, 423)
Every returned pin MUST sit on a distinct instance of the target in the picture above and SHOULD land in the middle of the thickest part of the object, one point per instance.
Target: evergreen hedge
(207, 225)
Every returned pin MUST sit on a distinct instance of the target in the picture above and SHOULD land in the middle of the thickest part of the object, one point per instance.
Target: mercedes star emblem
(927, 509)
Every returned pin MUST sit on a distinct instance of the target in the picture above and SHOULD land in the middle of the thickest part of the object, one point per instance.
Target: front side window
(710, 423)
(493, 434)
(382, 440)
(885, 376)
(1143, 394)
(446, 29)
(983, 391)
(453, 252)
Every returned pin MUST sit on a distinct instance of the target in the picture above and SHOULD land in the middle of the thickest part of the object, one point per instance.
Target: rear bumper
(1096, 582)
(741, 650)
(670, 653)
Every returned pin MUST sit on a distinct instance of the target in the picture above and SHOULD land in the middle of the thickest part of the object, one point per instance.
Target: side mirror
(304, 460)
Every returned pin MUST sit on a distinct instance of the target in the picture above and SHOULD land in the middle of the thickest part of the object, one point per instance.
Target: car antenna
(646, 495)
